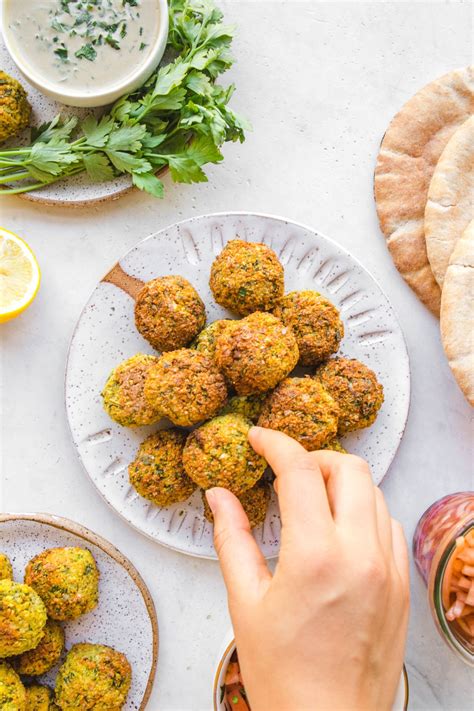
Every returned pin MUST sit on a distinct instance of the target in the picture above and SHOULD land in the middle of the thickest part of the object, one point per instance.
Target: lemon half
(19, 275)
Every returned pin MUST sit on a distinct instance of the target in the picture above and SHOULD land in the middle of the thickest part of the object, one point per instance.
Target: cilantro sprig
(178, 119)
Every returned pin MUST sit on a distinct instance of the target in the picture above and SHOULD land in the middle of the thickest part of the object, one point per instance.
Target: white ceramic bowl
(100, 98)
(228, 647)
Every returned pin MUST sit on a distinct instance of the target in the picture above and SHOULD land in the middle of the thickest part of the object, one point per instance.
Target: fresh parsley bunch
(178, 119)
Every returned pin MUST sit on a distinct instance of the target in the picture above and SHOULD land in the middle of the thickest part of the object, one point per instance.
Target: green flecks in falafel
(22, 618)
(256, 352)
(254, 502)
(93, 676)
(157, 473)
(66, 579)
(247, 277)
(123, 394)
(219, 454)
(6, 570)
(45, 655)
(15, 110)
(315, 322)
(169, 313)
(186, 387)
(12, 691)
(302, 409)
(356, 390)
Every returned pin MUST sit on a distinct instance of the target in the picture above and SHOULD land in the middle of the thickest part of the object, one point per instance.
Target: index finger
(302, 495)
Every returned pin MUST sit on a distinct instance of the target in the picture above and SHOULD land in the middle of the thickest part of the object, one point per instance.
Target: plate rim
(205, 216)
(77, 529)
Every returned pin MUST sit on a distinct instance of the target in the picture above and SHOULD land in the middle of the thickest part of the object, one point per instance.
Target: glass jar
(439, 534)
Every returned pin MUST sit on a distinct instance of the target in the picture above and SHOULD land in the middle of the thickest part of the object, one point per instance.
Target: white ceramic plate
(400, 703)
(77, 190)
(125, 617)
(106, 334)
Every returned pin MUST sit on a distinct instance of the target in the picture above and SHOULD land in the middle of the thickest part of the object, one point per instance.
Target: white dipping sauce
(85, 45)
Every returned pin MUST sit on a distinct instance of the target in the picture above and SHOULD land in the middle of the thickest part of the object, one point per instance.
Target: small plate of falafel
(208, 327)
(78, 625)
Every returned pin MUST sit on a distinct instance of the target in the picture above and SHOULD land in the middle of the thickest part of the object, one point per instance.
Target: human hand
(327, 631)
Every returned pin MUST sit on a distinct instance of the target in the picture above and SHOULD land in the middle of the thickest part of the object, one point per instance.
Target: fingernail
(211, 498)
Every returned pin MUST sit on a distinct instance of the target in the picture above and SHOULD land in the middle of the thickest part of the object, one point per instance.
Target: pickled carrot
(457, 590)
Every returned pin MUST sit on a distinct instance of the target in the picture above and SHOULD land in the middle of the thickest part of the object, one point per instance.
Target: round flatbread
(408, 155)
(457, 312)
(449, 208)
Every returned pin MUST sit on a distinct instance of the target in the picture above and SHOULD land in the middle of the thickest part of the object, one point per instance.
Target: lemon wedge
(19, 275)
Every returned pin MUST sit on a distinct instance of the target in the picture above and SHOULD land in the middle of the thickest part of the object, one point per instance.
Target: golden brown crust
(157, 472)
(247, 277)
(254, 502)
(219, 454)
(169, 312)
(450, 199)
(356, 390)
(302, 409)
(256, 352)
(408, 155)
(186, 387)
(315, 322)
(457, 313)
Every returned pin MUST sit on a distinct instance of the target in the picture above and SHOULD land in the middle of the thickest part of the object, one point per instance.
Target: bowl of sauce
(86, 52)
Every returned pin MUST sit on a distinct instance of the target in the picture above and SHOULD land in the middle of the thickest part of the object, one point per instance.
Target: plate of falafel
(78, 625)
(208, 327)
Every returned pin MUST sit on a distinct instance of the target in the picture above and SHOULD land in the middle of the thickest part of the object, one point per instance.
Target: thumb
(243, 565)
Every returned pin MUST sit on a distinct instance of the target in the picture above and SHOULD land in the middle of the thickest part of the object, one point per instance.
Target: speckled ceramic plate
(125, 617)
(77, 190)
(106, 334)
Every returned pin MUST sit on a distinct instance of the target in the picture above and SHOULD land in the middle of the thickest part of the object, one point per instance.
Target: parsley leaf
(98, 167)
(87, 51)
(97, 132)
(148, 182)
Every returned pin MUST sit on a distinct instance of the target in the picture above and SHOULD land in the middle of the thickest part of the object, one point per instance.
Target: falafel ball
(247, 277)
(66, 579)
(14, 107)
(12, 691)
(22, 618)
(48, 652)
(186, 387)
(335, 446)
(205, 342)
(219, 454)
(315, 322)
(256, 353)
(355, 388)
(254, 502)
(249, 406)
(169, 312)
(40, 698)
(157, 472)
(93, 676)
(124, 399)
(6, 570)
(302, 409)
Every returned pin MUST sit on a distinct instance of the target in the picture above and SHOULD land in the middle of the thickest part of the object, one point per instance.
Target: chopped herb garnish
(112, 42)
(87, 51)
(62, 53)
(142, 46)
(123, 31)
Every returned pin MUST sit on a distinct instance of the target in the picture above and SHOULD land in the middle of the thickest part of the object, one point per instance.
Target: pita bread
(457, 313)
(408, 155)
(449, 208)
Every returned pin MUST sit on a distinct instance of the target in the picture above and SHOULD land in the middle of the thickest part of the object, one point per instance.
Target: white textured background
(320, 82)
